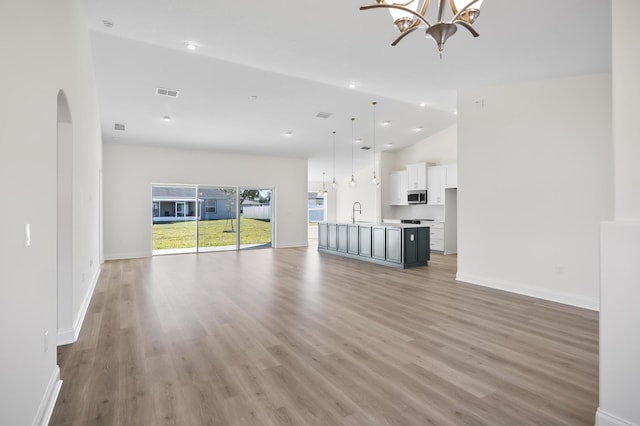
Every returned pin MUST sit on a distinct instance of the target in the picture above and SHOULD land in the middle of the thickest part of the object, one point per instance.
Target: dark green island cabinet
(399, 246)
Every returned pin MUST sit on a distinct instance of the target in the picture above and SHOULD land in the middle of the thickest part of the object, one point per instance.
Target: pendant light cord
(374, 140)
(352, 142)
(334, 159)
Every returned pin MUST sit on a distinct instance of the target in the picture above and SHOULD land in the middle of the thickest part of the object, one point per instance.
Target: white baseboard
(65, 336)
(121, 256)
(77, 324)
(48, 402)
(606, 419)
(564, 298)
(293, 245)
(70, 335)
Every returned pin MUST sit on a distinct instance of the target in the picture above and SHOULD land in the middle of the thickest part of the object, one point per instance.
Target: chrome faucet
(353, 216)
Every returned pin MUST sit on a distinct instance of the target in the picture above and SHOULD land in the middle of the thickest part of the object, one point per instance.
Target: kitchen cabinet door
(365, 241)
(398, 188)
(332, 236)
(417, 176)
(354, 237)
(435, 192)
(343, 238)
(394, 245)
(322, 235)
(378, 242)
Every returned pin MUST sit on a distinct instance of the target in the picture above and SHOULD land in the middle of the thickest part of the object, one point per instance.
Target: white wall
(535, 178)
(129, 172)
(440, 148)
(44, 49)
(620, 239)
(364, 192)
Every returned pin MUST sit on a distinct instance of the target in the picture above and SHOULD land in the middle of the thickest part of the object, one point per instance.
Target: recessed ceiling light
(253, 97)
(386, 123)
(419, 129)
(358, 140)
(288, 134)
(352, 85)
(423, 104)
(455, 112)
(107, 24)
(190, 46)
(166, 119)
(389, 145)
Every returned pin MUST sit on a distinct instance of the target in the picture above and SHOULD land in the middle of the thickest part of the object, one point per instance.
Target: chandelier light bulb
(401, 18)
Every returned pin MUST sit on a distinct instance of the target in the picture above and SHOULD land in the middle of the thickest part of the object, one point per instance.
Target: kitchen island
(395, 245)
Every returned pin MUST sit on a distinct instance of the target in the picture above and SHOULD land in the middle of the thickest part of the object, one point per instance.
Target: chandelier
(410, 15)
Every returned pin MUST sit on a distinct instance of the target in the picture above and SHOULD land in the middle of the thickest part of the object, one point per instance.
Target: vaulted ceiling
(262, 69)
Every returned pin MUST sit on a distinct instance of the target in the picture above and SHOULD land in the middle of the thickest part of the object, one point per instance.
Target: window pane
(255, 217)
(174, 219)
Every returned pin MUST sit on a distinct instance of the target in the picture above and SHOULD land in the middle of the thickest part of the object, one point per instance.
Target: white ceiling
(298, 58)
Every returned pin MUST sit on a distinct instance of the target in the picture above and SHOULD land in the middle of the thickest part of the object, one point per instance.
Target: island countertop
(383, 224)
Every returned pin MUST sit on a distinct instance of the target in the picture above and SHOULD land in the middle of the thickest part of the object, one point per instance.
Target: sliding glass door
(203, 218)
(217, 225)
(255, 217)
(174, 212)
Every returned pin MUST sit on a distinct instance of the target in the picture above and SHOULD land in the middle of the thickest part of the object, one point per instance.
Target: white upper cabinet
(417, 176)
(435, 191)
(398, 188)
(451, 176)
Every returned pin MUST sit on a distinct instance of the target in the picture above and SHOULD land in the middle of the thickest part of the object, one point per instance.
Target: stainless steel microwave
(417, 197)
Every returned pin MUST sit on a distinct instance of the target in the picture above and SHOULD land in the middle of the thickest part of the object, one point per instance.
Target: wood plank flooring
(294, 337)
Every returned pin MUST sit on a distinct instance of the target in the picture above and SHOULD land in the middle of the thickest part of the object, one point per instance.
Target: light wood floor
(289, 336)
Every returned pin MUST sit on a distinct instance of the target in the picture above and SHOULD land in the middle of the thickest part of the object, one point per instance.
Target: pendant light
(333, 183)
(375, 179)
(352, 183)
(323, 192)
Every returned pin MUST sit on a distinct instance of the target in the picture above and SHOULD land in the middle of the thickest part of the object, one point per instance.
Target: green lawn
(212, 233)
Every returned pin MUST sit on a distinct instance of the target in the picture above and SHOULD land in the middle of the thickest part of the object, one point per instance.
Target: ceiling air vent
(172, 93)
(366, 148)
(323, 114)
(118, 126)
